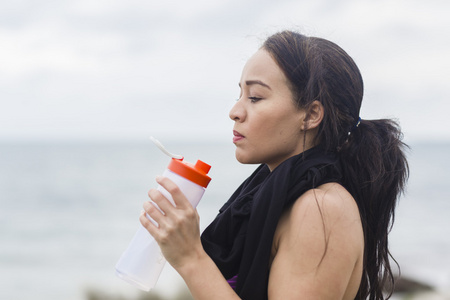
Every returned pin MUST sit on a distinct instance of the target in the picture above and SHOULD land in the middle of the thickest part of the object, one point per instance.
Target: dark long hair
(372, 153)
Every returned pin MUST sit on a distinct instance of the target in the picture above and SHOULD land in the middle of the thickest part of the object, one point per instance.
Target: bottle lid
(195, 173)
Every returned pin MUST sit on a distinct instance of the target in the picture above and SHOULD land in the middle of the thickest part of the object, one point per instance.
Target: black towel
(240, 239)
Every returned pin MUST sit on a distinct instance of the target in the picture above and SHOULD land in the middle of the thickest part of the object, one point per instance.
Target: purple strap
(232, 282)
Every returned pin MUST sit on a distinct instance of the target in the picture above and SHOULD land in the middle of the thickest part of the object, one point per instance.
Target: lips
(237, 136)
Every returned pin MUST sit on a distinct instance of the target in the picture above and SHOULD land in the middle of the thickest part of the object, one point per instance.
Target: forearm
(205, 281)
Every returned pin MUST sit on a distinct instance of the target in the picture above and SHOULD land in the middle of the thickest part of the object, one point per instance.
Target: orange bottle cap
(195, 173)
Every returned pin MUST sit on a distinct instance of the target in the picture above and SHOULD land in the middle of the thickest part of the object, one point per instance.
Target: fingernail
(158, 178)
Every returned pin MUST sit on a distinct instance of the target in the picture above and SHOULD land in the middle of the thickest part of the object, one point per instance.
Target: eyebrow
(252, 82)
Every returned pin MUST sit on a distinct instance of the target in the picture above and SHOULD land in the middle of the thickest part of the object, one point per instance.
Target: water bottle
(142, 262)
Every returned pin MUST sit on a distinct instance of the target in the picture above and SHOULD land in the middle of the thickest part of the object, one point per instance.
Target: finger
(147, 224)
(161, 202)
(154, 213)
(178, 197)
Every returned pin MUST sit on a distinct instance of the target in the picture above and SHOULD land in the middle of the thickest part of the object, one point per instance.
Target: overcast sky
(91, 69)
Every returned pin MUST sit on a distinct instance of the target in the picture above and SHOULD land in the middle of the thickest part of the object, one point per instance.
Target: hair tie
(355, 126)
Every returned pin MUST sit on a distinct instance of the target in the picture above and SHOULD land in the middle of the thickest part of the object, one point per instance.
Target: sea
(68, 209)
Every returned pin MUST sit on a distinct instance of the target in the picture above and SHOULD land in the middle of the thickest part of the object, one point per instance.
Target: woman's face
(268, 126)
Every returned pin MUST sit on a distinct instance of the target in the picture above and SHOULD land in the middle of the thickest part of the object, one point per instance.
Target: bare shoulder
(330, 211)
(333, 203)
(329, 207)
(318, 242)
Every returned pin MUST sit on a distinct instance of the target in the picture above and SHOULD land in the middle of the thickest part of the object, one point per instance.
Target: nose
(237, 112)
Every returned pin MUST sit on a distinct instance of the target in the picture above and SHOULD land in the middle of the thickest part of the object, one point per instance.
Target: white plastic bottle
(142, 262)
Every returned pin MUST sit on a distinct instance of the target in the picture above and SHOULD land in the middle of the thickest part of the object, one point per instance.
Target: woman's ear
(314, 116)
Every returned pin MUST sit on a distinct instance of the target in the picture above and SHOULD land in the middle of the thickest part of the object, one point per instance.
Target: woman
(312, 221)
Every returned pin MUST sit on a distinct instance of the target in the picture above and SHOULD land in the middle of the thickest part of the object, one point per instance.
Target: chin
(245, 159)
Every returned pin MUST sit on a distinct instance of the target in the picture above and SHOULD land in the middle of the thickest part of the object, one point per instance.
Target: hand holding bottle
(142, 262)
(177, 233)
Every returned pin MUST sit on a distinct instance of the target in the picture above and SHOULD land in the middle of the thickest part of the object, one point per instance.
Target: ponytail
(375, 171)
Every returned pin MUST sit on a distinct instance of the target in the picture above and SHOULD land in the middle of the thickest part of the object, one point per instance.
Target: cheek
(265, 123)
(279, 127)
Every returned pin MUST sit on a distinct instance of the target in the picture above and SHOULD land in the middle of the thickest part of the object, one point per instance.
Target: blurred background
(83, 84)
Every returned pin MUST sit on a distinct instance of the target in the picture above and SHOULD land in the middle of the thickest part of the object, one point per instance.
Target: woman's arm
(178, 235)
(319, 247)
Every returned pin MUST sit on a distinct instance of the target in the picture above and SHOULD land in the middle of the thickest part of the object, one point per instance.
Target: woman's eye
(254, 99)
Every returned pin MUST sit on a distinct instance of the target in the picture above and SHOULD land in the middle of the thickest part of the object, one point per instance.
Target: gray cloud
(112, 68)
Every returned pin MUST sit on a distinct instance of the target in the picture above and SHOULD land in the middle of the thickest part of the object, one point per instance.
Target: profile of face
(268, 126)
